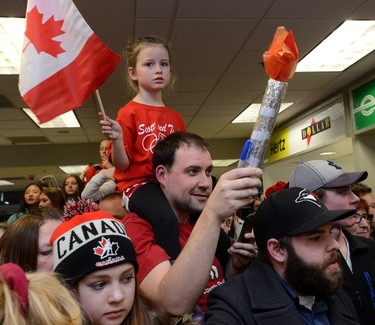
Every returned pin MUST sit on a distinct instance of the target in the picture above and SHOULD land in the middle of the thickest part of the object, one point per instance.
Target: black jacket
(362, 254)
(258, 297)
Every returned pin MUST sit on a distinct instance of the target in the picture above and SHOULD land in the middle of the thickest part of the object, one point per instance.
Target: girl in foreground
(97, 259)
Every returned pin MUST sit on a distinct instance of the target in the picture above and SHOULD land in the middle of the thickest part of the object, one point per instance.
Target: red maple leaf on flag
(41, 34)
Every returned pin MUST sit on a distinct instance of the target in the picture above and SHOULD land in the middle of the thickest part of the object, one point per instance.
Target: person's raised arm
(178, 287)
(113, 131)
(100, 185)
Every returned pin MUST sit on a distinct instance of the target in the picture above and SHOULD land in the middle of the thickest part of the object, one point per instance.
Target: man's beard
(310, 278)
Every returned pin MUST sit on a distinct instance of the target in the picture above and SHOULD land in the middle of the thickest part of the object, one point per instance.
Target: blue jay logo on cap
(331, 163)
(306, 196)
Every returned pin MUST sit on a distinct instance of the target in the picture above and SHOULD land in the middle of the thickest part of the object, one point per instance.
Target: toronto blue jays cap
(292, 211)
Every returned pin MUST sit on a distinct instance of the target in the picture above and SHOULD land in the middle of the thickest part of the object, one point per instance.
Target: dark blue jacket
(358, 284)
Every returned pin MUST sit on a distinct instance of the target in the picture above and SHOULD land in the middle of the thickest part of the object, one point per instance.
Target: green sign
(364, 106)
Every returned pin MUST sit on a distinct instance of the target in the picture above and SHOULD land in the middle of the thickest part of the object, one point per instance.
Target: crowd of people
(147, 237)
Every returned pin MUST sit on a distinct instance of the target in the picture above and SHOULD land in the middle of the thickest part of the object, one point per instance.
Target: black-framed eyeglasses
(358, 217)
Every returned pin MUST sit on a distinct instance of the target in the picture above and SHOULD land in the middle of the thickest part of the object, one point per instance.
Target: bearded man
(297, 277)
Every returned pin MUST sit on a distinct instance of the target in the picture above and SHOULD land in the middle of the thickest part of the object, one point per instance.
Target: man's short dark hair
(164, 151)
(360, 189)
(264, 255)
(321, 193)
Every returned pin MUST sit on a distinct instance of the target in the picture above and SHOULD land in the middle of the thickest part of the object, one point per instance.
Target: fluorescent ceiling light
(223, 162)
(5, 183)
(66, 120)
(349, 43)
(11, 41)
(77, 169)
(250, 114)
(328, 153)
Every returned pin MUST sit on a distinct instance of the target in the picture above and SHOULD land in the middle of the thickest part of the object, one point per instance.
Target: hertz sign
(278, 146)
(315, 128)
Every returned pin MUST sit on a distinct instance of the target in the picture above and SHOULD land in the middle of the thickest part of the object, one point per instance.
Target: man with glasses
(333, 186)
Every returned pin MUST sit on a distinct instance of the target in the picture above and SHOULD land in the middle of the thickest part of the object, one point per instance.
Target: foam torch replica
(280, 62)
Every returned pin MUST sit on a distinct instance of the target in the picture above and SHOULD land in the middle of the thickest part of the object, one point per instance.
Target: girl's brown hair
(20, 243)
(57, 197)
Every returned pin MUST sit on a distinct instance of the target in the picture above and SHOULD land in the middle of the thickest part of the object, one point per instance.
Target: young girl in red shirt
(140, 124)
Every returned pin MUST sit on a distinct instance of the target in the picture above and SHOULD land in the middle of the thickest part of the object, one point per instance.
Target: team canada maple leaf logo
(106, 248)
(41, 34)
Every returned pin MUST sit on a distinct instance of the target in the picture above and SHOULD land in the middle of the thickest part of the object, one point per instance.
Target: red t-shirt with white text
(143, 126)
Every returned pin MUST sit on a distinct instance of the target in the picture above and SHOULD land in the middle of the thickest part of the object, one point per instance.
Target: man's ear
(132, 73)
(276, 252)
(160, 173)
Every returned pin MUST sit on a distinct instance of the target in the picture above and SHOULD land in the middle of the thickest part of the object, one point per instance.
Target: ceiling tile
(235, 97)
(13, 132)
(215, 9)
(191, 98)
(16, 124)
(196, 82)
(218, 35)
(221, 109)
(68, 139)
(292, 9)
(155, 9)
(146, 26)
(9, 114)
(365, 11)
(240, 82)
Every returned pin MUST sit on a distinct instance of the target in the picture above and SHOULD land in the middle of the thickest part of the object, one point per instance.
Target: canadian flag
(63, 62)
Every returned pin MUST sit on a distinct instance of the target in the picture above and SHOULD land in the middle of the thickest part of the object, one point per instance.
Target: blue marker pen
(245, 153)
